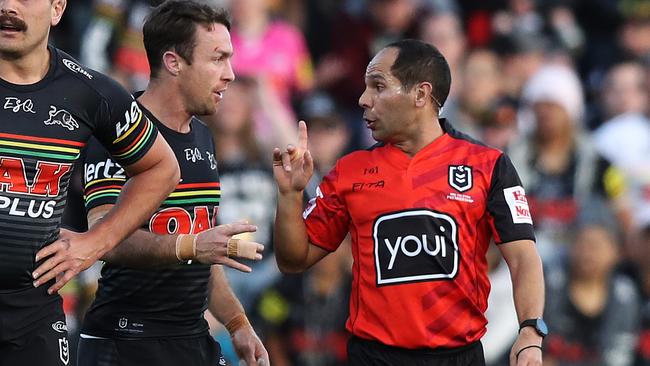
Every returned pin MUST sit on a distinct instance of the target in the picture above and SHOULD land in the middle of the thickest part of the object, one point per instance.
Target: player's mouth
(11, 25)
(219, 94)
(370, 123)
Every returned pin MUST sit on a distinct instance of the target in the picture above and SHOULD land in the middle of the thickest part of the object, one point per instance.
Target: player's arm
(74, 252)
(527, 277)
(225, 306)
(292, 170)
(144, 249)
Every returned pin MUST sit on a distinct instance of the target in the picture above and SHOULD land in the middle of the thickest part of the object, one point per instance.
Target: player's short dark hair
(418, 61)
(172, 26)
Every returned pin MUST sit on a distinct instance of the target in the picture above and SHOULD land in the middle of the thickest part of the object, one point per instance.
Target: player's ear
(423, 94)
(172, 62)
(57, 9)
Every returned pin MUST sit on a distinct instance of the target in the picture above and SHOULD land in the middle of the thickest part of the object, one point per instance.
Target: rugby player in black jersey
(49, 107)
(157, 284)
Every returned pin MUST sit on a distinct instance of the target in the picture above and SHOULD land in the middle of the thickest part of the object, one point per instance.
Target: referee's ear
(172, 62)
(423, 94)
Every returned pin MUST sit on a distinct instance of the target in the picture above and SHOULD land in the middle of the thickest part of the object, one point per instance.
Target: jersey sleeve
(103, 177)
(122, 128)
(507, 206)
(326, 215)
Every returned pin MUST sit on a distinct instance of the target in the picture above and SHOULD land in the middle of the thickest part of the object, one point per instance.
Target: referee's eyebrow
(375, 76)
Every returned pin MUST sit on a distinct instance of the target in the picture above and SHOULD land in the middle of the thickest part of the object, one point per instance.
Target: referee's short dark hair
(418, 61)
(172, 26)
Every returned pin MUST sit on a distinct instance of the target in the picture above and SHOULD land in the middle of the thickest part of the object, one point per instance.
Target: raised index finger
(302, 135)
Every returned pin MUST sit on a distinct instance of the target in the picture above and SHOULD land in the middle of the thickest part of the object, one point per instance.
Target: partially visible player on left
(49, 107)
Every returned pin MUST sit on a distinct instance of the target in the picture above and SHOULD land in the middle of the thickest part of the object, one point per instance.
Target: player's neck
(422, 135)
(25, 69)
(166, 106)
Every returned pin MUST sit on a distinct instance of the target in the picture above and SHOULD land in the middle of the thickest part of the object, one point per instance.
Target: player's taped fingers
(244, 249)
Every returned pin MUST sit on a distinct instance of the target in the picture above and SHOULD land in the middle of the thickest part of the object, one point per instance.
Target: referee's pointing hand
(293, 167)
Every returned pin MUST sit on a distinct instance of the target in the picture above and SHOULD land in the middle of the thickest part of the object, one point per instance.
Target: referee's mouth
(370, 123)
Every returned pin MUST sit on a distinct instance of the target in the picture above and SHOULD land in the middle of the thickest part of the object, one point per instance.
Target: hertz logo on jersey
(415, 245)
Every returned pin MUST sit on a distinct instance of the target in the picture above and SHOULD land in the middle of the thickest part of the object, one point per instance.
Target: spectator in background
(481, 76)
(625, 102)
(592, 310)
(520, 17)
(112, 43)
(499, 128)
(522, 56)
(329, 136)
(444, 30)
(271, 49)
(556, 161)
(302, 317)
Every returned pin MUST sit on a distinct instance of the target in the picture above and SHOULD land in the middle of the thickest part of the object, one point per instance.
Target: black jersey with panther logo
(43, 127)
(161, 302)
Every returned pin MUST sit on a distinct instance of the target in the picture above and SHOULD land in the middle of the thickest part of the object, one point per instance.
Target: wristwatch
(537, 323)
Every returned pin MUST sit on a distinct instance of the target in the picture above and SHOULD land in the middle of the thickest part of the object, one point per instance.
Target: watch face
(541, 327)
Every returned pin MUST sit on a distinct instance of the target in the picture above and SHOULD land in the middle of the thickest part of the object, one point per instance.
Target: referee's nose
(365, 100)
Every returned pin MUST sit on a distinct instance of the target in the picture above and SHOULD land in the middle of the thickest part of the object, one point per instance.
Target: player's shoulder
(201, 130)
(199, 126)
(83, 77)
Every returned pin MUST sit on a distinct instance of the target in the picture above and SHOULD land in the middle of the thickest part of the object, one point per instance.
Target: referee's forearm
(290, 234)
(528, 285)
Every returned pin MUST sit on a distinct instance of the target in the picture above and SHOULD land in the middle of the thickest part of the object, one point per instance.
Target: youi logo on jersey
(415, 245)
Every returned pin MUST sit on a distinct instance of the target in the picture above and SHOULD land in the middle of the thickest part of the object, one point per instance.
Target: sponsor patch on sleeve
(518, 204)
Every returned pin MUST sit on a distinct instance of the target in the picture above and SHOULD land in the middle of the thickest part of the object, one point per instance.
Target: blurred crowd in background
(563, 86)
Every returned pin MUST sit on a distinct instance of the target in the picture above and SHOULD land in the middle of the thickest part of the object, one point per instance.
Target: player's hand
(531, 356)
(65, 258)
(212, 246)
(249, 348)
(294, 167)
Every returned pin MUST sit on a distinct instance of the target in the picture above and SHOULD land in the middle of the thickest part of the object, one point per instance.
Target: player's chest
(55, 114)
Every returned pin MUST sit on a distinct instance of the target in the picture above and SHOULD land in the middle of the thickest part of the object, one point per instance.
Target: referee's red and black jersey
(164, 301)
(420, 230)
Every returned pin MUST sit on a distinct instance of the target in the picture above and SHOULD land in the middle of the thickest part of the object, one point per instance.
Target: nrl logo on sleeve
(518, 204)
(62, 118)
(460, 177)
